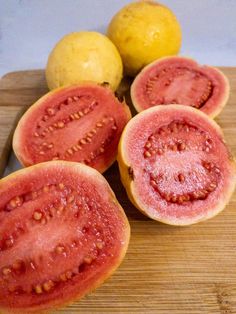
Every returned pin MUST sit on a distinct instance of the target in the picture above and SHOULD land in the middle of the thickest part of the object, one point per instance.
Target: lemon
(143, 32)
(84, 56)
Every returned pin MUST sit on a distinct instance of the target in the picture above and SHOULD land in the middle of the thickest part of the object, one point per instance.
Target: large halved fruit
(62, 234)
(175, 165)
(179, 80)
(81, 123)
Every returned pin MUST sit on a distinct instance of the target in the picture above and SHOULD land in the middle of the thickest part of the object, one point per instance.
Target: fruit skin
(212, 107)
(84, 56)
(25, 128)
(128, 180)
(144, 31)
(93, 176)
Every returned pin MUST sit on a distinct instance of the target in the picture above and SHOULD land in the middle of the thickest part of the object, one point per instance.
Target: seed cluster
(155, 147)
(9, 273)
(42, 216)
(19, 267)
(19, 200)
(14, 203)
(90, 137)
(82, 142)
(43, 130)
(205, 96)
(199, 194)
(168, 76)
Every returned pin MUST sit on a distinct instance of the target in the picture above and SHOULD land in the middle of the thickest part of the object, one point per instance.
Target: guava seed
(37, 215)
(48, 285)
(6, 271)
(38, 289)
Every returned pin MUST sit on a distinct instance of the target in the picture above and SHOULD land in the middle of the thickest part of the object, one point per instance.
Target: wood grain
(18, 90)
(178, 270)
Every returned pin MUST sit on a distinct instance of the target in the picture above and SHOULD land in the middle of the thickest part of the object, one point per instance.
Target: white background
(30, 28)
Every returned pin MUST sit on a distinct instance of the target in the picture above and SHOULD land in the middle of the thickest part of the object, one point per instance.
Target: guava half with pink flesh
(175, 165)
(179, 80)
(81, 123)
(63, 233)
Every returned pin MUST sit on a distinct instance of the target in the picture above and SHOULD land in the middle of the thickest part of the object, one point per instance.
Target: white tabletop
(30, 28)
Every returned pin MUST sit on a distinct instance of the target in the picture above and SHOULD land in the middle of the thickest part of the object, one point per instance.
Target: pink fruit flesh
(62, 232)
(80, 123)
(178, 80)
(182, 169)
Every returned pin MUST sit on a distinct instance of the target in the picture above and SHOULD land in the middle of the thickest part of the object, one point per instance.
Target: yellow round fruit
(143, 32)
(84, 56)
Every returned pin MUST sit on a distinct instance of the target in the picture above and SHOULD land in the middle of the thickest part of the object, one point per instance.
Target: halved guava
(62, 233)
(80, 123)
(179, 80)
(175, 165)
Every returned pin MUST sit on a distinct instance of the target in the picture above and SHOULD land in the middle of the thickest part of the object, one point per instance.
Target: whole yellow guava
(84, 56)
(144, 31)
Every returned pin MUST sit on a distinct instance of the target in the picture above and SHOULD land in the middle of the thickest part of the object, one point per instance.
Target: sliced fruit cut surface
(62, 233)
(81, 123)
(175, 165)
(179, 80)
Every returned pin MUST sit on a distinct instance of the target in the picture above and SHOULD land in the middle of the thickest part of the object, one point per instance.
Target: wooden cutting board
(177, 270)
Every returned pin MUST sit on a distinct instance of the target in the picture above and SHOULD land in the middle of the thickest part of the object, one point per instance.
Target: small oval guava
(144, 31)
(84, 56)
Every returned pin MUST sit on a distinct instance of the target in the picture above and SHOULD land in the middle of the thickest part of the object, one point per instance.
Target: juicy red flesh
(179, 85)
(55, 239)
(181, 169)
(81, 124)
